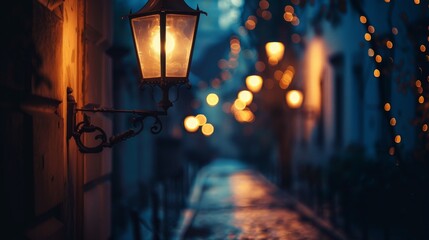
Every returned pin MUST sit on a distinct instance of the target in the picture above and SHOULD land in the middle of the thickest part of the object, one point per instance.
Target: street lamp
(164, 35)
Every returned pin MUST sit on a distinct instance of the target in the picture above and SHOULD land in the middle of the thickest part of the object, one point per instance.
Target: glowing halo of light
(254, 83)
(191, 124)
(294, 98)
(207, 129)
(245, 96)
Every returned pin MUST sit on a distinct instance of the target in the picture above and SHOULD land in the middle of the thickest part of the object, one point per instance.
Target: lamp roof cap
(171, 6)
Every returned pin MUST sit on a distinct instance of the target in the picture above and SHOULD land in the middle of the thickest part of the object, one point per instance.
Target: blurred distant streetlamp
(275, 52)
(191, 124)
(164, 35)
(212, 99)
(207, 129)
(245, 96)
(254, 83)
(294, 99)
(202, 119)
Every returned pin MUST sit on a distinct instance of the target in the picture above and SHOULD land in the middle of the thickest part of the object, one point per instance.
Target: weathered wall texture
(49, 189)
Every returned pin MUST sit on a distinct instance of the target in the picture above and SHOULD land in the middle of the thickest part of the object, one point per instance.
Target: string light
(422, 48)
(389, 44)
(421, 99)
(212, 99)
(395, 31)
(391, 151)
(425, 128)
(363, 19)
(398, 139)
(367, 37)
(418, 84)
(387, 107)
(371, 52)
(393, 122)
(378, 58)
(207, 129)
(371, 29)
(376, 73)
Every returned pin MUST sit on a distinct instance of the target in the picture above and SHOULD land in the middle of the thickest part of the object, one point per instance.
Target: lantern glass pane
(179, 38)
(146, 32)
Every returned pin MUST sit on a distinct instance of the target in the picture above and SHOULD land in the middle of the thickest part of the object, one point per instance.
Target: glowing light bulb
(170, 42)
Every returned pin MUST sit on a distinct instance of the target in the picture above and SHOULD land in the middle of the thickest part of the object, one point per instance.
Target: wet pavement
(232, 201)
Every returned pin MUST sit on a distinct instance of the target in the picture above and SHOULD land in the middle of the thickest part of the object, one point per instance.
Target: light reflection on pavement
(238, 203)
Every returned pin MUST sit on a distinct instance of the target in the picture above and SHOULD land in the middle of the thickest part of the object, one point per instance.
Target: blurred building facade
(49, 189)
(360, 137)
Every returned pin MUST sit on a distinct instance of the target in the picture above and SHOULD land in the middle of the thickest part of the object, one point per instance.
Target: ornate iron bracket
(86, 127)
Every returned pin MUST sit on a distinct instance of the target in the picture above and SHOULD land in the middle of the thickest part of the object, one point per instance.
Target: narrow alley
(214, 119)
(232, 201)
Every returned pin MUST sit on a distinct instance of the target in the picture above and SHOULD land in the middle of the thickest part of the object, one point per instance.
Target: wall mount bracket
(85, 127)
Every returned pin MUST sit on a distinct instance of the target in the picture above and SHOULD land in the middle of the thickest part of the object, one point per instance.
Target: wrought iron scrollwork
(77, 131)
(86, 127)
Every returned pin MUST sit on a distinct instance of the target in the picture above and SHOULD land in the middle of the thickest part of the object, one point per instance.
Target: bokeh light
(294, 98)
(245, 96)
(254, 83)
(191, 124)
(202, 119)
(376, 73)
(275, 51)
(207, 129)
(212, 99)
